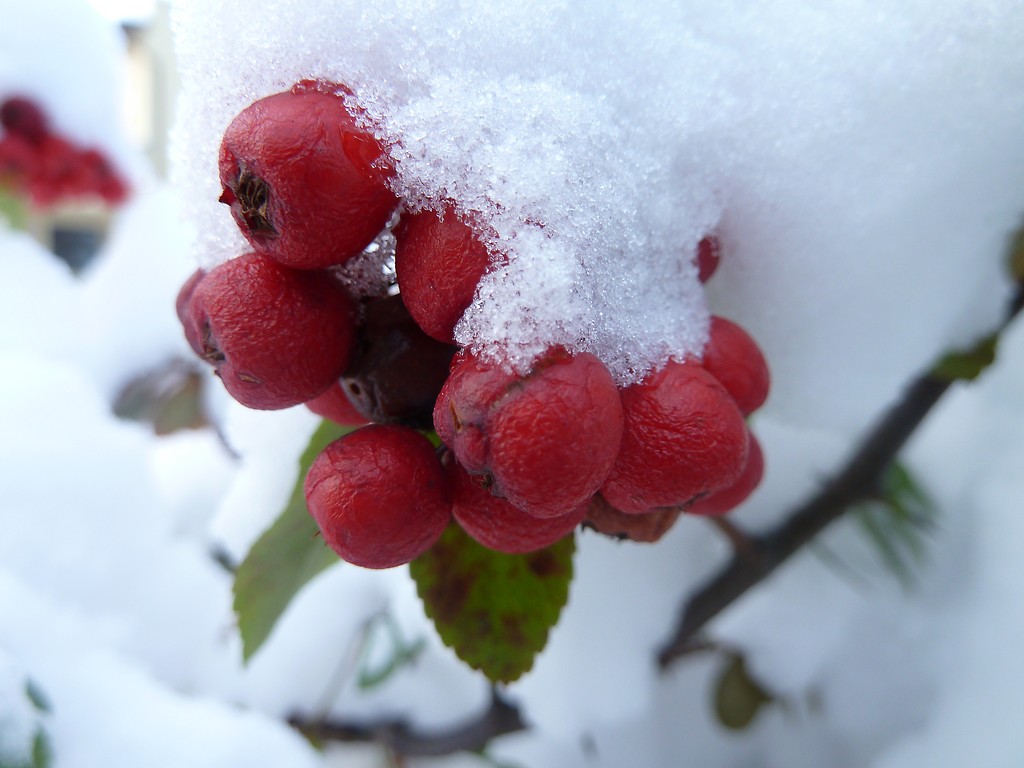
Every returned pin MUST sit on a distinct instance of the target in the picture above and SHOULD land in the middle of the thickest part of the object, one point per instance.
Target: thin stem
(403, 740)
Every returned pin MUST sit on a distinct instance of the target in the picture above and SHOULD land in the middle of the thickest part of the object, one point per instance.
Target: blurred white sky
(124, 9)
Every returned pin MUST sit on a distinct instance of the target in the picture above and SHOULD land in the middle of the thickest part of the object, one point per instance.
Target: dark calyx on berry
(249, 196)
(209, 351)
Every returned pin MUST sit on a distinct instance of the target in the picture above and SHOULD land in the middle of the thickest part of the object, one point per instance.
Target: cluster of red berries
(48, 168)
(524, 457)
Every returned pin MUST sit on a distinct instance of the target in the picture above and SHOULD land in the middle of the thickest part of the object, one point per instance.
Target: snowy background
(863, 165)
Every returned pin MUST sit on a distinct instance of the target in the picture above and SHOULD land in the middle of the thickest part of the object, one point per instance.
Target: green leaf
(1015, 257)
(287, 556)
(35, 695)
(967, 365)
(494, 610)
(898, 522)
(170, 397)
(38, 753)
(42, 752)
(873, 521)
(382, 629)
(738, 697)
(900, 485)
(13, 208)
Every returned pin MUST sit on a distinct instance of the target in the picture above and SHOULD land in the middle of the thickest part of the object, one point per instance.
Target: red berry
(181, 305)
(277, 337)
(684, 438)
(379, 495)
(24, 117)
(55, 174)
(438, 263)
(397, 370)
(730, 497)
(305, 183)
(648, 528)
(734, 358)
(18, 160)
(99, 178)
(546, 440)
(708, 254)
(501, 526)
(335, 405)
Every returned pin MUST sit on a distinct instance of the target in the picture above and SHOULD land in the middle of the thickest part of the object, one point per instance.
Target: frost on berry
(684, 438)
(438, 261)
(306, 185)
(276, 337)
(545, 440)
(735, 359)
(379, 496)
(499, 525)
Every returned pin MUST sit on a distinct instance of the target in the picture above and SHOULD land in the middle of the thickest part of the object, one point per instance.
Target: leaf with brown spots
(494, 610)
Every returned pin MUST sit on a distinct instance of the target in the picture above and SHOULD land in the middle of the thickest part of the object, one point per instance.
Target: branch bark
(401, 738)
(856, 482)
(761, 554)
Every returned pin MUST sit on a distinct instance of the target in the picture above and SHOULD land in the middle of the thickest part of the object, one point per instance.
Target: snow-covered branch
(856, 482)
(401, 738)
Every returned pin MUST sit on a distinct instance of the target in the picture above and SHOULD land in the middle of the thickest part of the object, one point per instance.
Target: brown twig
(856, 482)
(403, 739)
